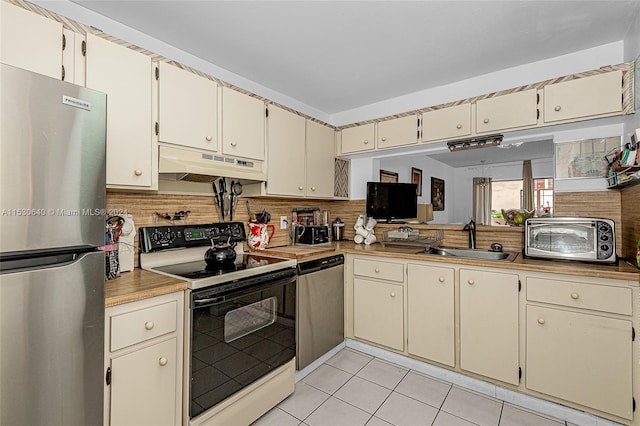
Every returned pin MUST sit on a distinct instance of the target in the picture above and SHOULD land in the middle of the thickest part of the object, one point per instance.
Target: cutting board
(299, 252)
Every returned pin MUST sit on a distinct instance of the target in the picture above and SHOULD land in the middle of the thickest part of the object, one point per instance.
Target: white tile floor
(353, 389)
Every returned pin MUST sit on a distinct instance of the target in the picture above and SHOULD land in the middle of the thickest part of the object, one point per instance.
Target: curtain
(482, 200)
(527, 186)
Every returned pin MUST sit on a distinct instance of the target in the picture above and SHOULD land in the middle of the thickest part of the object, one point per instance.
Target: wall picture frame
(437, 194)
(416, 177)
(387, 176)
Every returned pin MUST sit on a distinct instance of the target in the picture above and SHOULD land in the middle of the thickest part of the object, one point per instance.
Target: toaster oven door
(573, 241)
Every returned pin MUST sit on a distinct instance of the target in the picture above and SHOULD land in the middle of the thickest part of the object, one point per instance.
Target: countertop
(140, 284)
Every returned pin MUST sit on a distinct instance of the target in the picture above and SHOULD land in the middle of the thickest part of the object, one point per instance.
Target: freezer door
(52, 344)
(52, 163)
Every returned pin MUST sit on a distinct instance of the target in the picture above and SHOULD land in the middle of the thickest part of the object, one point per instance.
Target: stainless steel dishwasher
(319, 308)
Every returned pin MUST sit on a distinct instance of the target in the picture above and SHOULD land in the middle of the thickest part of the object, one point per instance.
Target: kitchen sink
(467, 253)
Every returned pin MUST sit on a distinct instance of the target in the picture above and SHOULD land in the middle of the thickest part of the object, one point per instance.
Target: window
(508, 195)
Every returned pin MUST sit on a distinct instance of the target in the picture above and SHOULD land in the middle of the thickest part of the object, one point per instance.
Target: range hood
(181, 164)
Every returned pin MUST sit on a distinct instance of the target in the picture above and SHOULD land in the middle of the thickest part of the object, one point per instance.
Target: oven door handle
(208, 301)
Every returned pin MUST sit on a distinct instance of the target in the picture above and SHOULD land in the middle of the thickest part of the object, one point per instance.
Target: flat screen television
(392, 202)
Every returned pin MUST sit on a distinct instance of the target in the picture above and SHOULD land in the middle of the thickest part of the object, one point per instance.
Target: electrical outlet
(283, 222)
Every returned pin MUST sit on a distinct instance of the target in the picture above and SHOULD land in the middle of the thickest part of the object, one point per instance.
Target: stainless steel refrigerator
(52, 200)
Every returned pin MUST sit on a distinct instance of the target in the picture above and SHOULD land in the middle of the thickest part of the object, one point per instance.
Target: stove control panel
(156, 238)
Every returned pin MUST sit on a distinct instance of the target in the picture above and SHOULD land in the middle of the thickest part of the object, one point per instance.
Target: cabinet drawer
(580, 295)
(381, 270)
(134, 327)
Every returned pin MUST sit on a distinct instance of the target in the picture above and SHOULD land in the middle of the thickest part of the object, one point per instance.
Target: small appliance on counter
(313, 234)
(571, 238)
(337, 230)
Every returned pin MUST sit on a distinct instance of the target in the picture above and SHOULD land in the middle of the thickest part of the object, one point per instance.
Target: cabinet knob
(163, 361)
(313, 188)
(557, 108)
(575, 296)
(376, 270)
(366, 141)
(459, 126)
(393, 294)
(208, 138)
(471, 282)
(138, 172)
(383, 139)
(300, 188)
(541, 321)
(149, 325)
(485, 121)
(441, 279)
(234, 143)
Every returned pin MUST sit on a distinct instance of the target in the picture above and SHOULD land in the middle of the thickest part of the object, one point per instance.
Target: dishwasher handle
(320, 264)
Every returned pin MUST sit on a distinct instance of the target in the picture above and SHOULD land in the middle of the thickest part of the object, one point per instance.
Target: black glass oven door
(238, 339)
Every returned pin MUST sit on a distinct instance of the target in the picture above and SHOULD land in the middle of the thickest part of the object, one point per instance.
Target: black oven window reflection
(238, 341)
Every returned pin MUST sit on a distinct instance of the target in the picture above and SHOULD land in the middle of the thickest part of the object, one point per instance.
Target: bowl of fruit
(516, 217)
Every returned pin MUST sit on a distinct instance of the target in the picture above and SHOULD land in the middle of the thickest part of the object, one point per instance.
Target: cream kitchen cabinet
(579, 342)
(582, 98)
(243, 125)
(378, 302)
(126, 77)
(430, 313)
(398, 132)
(358, 139)
(489, 324)
(286, 172)
(320, 163)
(507, 112)
(446, 123)
(143, 361)
(31, 41)
(188, 108)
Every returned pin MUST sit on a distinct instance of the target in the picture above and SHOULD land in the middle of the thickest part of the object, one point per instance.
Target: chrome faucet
(471, 227)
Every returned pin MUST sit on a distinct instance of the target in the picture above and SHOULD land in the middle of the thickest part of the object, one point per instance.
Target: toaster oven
(571, 238)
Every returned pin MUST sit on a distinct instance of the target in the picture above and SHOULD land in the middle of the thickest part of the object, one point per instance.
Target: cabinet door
(595, 95)
(359, 138)
(143, 386)
(320, 160)
(452, 122)
(188, 108)
(507, 112)
(398, 132)
(125, 76)
(430, 313)
(243, 119)
(30, 41)
(286, 144)
(586, 359)
(378, 313)
(489, 324)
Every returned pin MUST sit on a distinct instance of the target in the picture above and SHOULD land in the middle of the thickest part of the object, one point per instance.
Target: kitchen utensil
(220, 254)
(248, 210)
(263, 217)
(232, 195)
(260, 235)
(337, 229)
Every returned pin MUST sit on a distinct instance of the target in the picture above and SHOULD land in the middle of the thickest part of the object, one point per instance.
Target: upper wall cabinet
(188, 108)
(30, 41)
(286, 146)
(358, 139)
(585, 97)
(446, 123)
(243, 125)
(320, 160)
(398, 132)
(505, 112)
(126, 77)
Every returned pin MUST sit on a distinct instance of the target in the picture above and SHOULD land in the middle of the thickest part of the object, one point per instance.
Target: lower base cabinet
(489, 324)
(143, 362)
(430, 313)
(582, 358)
(378, 312)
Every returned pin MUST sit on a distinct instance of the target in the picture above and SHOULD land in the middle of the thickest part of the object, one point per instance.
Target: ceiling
(338, 55)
